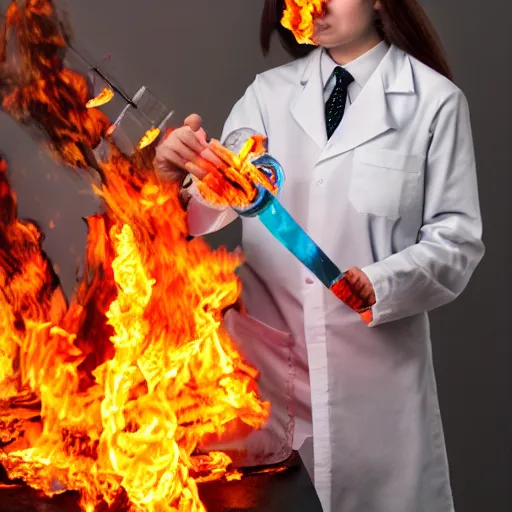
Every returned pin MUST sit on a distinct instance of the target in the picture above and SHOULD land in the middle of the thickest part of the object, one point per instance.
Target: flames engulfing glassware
(138, 374)
(147, 113)
(299, 16)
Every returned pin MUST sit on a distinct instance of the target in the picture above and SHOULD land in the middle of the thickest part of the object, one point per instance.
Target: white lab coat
(394, 192)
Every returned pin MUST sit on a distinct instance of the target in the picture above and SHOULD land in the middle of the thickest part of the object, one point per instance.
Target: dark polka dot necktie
(335, 106)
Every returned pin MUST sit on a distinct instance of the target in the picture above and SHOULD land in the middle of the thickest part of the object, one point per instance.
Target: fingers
(208, 155)
(194, 122)
(187, 148)
(354, 279)
(221, 152)
(202, 137)
(194, 169)
(166, 164)
(167, 158)
(361, 284)
(187, 136)
(179, 147)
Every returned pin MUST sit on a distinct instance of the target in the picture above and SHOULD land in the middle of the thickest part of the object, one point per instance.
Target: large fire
(118, 394)
(299, 16)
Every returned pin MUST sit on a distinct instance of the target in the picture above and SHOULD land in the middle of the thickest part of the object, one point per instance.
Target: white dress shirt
(361, 69)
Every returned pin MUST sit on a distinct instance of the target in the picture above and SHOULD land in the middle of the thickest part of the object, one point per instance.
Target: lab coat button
(309, 280)
(320, 181)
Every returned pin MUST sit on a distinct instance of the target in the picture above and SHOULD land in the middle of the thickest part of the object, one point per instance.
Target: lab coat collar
(308, 105)
(369, 115)
(361, 68)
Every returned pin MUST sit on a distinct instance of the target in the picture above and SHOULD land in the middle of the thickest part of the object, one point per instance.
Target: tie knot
(343, 77)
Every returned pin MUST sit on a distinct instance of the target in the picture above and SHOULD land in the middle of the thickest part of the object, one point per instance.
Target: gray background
(198, 56)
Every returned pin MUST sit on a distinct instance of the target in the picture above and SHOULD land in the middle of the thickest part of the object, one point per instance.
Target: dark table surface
(270, 492)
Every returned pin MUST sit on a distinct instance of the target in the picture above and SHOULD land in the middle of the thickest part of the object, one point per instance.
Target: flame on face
(299, 16)
(136, 376)
(101, 99)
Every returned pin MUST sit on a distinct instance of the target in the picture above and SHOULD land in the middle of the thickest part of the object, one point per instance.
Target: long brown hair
(402, 23)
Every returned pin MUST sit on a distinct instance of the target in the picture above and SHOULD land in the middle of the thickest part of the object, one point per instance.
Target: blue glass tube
(284, 228)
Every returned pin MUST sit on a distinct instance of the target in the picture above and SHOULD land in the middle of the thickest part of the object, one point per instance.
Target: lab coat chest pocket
(383, 182)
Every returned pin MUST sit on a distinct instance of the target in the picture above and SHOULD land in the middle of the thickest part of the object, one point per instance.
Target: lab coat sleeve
(436, 269)
(203, 217)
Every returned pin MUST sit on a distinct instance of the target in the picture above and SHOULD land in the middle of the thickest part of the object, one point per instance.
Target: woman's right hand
(184, 150)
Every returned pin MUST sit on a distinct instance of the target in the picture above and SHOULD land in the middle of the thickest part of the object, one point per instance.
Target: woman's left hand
(361, 284)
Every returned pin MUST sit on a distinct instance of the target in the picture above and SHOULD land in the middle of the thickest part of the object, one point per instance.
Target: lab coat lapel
(308, 105)
(370, 115)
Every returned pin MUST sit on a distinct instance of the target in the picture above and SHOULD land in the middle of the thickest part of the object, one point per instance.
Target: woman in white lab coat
(391, 194)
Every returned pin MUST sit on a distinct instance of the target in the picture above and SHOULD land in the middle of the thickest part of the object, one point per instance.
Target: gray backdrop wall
(198, 56)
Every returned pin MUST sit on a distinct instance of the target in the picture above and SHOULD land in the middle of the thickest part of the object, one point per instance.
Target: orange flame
(149, 137)
(36, 94)
(101, 99)
(137, 376)
(28, 293)
(299, 17)
(234, 183)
